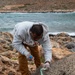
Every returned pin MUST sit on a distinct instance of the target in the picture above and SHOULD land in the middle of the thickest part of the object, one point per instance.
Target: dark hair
(37, 29)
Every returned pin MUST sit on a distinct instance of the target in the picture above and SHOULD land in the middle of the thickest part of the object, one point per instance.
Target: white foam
(69, 33)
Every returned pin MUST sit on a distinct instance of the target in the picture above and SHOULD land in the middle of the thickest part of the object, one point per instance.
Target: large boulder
(60, 67)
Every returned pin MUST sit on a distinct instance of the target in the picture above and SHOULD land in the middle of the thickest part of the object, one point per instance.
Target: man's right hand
(29, 57)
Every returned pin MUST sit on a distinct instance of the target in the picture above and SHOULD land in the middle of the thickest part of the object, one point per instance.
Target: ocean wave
(69, 33)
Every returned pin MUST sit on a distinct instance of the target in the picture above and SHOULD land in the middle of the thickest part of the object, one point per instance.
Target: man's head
(36, 31)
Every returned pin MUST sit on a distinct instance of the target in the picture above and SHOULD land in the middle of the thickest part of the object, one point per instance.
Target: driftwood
(65, 66)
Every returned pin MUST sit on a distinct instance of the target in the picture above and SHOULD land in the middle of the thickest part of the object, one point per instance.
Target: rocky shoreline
(43, 6)
(62, 46)
(36, 11)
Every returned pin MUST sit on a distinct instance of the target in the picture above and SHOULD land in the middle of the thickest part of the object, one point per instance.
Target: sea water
(57, 22)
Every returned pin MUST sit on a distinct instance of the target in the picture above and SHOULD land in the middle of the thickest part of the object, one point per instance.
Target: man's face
(35, 37)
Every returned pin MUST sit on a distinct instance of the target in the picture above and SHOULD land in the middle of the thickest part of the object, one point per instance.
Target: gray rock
(70, 45)
(64, 66)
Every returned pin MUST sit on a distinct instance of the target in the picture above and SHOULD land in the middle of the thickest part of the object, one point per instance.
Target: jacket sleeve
(47, 49)
(17, 43)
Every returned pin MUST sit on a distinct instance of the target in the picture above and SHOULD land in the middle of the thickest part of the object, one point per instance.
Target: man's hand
(29, 57)
(46, 65)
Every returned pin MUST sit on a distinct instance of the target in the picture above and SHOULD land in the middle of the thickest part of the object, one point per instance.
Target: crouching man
(31, 35)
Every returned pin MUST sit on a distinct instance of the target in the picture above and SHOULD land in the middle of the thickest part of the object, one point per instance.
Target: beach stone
(70, 45)
(72, 50)
(11, 73)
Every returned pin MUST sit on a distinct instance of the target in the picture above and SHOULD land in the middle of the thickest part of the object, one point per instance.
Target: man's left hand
(46, 66)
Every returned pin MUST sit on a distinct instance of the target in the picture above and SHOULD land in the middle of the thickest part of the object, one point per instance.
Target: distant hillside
(36, 5)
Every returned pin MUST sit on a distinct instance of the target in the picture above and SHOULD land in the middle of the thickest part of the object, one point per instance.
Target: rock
(5, 60)
(61, 67)
(63, 34)
(11, 73)
(9, 56)
(2, 41)
(5, 41)
(72, 50)
(70, 45)
(54, 44)
(8, 66)
(62, 39)
(59, 53)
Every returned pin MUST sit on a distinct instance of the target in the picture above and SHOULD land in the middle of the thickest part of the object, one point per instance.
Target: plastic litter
(42, 69)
